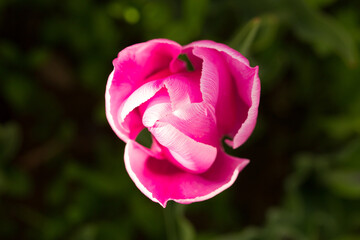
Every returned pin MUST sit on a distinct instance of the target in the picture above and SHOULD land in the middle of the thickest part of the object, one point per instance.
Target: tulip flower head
(188, 107)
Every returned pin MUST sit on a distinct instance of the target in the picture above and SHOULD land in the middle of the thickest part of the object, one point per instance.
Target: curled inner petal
(184, 152)
(156, 108)
(197, 121)
(139, 96)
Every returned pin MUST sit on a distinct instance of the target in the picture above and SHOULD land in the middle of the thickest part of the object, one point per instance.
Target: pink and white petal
(245, 81)
(197, 121)
(136, 157)
(156, 108)
(112, 105)
(157, 149)
(129, 114)
(194, 60)
(161, 181)
(219, 47)
(185, 152)
(219, 177)
(132, 123)
(218, 88)
(140, 96)
(139, 61)
(177, 66)
(183, 88)
(132, 67)
(210, 75)
(151, 182)
(252, 97)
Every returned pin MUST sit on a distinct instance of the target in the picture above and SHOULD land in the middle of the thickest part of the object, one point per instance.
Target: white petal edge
(147, 193)
(108, 109)
(249, 124)
(133, 176)
(218, 190)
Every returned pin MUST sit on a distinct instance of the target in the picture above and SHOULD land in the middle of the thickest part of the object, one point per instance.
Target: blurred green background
(62, 174)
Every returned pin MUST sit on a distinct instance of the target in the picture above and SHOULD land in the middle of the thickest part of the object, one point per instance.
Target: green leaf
(245, 36)
(345, 183)
(267, 33)
(342, 127)
(323, 32)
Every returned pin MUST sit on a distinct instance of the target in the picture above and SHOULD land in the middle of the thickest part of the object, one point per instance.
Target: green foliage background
(62, 174)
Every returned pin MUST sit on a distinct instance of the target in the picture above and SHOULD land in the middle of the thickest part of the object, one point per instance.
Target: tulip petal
(219, 47)
(197, 121)
(218, 89)
(112, 104)
(183, 88)
(132, 67)
(184, 151)
(248, 86)
(156, 108)
(138, 62)
(229, 82)
(139, 96)
(161, 181)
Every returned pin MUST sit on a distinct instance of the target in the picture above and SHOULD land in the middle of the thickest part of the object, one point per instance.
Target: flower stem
(172, 230)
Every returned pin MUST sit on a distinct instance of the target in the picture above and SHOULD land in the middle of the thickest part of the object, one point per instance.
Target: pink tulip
(188, 114)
